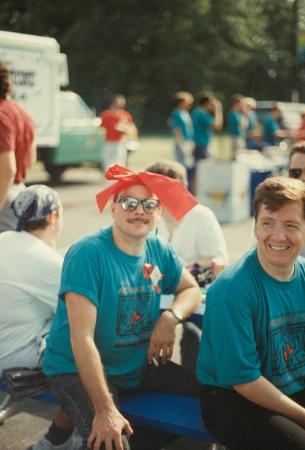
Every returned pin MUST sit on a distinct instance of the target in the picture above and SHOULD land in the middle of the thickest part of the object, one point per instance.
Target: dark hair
(36, 225)
(298, 147)
(275, 192)
(204, 97)
(5, 84)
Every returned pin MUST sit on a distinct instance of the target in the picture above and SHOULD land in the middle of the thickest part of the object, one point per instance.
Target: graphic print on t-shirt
(135, 316)
(288, 352)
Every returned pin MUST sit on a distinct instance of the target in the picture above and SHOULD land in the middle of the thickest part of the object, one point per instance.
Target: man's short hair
(183, 96)
(5, 83)
(298, 147)
(275, 192)
(171, 169)
(205, 97)
(236, 98)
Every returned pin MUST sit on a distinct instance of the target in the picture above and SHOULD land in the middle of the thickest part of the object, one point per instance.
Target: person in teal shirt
(207, 116)
(251, 362)
(272, 132)
(181, 124)
(108, 336)
(236, 123)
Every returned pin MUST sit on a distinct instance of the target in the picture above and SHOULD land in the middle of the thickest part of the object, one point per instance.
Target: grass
(153, 149)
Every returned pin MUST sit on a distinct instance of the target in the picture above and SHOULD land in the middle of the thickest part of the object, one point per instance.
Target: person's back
(15, 119)
(29, 276)
(17, 149)
(29, 279)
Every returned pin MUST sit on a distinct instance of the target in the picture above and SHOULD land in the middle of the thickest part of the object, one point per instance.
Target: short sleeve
(172, 270)
(81, 272)
(228, 328)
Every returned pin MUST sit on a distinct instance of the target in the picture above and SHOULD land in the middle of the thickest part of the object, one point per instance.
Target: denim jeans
(169, 378)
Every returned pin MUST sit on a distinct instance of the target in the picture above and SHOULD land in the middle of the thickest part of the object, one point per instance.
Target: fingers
(91, 440)
(117, 443)
(127, 429)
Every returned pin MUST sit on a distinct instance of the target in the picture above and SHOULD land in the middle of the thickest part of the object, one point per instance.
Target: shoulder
(235, 281)
(90, 244)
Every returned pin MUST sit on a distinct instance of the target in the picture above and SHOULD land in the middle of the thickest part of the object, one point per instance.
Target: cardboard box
(223, 186)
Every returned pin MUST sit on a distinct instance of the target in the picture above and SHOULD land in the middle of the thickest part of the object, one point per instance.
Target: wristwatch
(177, 314)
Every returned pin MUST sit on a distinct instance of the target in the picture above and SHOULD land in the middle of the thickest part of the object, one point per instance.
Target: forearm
(32, 156)
(178, 136)
(91, 372)
(6, 180)
(265, 394)
(187, 301)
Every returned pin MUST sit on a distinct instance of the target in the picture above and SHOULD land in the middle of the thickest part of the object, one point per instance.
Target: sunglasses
(296, 173)
(131, 203)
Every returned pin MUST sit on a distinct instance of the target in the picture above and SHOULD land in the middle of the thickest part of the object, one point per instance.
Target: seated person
(197, 239)
(108, 336)
(29, 281)
(251, 363)
(29, 276)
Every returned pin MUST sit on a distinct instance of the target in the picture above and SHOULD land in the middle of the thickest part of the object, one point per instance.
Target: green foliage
(149, 49)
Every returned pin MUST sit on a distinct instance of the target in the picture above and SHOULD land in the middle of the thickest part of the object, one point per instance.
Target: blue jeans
(170, 378)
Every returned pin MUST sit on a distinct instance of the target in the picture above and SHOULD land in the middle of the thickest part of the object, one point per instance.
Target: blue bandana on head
(34, 203)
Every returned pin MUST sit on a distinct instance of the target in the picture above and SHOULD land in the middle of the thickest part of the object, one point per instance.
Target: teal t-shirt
(252, 121)
(270, 128)
(182, 119)
(128, 305)
(202, 122)
(254, 326)
(234, 124)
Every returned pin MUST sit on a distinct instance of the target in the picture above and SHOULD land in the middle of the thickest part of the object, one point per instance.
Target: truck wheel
(55, 172)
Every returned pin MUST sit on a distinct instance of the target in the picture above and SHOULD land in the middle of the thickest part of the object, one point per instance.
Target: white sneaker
(73, 443)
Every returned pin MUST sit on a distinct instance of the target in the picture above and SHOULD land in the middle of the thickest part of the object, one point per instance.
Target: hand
(162, 340)
(107, 427)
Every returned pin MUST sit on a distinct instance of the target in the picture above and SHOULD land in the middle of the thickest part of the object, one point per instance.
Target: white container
(223, 186)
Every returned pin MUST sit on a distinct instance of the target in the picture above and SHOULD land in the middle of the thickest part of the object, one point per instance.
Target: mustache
(137, 220)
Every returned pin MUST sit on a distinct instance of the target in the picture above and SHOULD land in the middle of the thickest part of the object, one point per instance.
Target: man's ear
(52, 217)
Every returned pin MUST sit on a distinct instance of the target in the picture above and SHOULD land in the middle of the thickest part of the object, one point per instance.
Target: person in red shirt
(119, 126)
(17, 149)
(300, 132)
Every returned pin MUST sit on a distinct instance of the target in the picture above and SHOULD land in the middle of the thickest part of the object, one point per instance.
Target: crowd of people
(193, 128)
(93, 322)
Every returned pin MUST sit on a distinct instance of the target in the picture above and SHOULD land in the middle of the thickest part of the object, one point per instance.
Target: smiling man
(252, 355)
(108, 336)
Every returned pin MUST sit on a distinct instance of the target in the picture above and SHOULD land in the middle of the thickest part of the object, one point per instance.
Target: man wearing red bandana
(108, 336)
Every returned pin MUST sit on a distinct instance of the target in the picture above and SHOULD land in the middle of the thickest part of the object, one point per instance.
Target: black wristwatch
(176, 314)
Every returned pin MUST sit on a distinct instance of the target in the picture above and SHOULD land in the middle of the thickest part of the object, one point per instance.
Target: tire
(55, 172)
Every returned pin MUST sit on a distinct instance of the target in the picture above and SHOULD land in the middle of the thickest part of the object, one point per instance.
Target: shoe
(73, 443)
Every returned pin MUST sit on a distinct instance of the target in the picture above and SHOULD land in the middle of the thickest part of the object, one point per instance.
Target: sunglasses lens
(150, 205)
(295, 173)
(128, 203)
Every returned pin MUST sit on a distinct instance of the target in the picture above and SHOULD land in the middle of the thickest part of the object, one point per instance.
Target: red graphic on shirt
(147, 271)
(136, 317)
(288, 351)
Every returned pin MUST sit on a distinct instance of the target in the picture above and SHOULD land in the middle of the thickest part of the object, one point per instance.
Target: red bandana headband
(171, 193)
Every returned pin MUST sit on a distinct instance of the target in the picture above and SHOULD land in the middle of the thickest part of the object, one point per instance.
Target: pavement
(30, 419)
